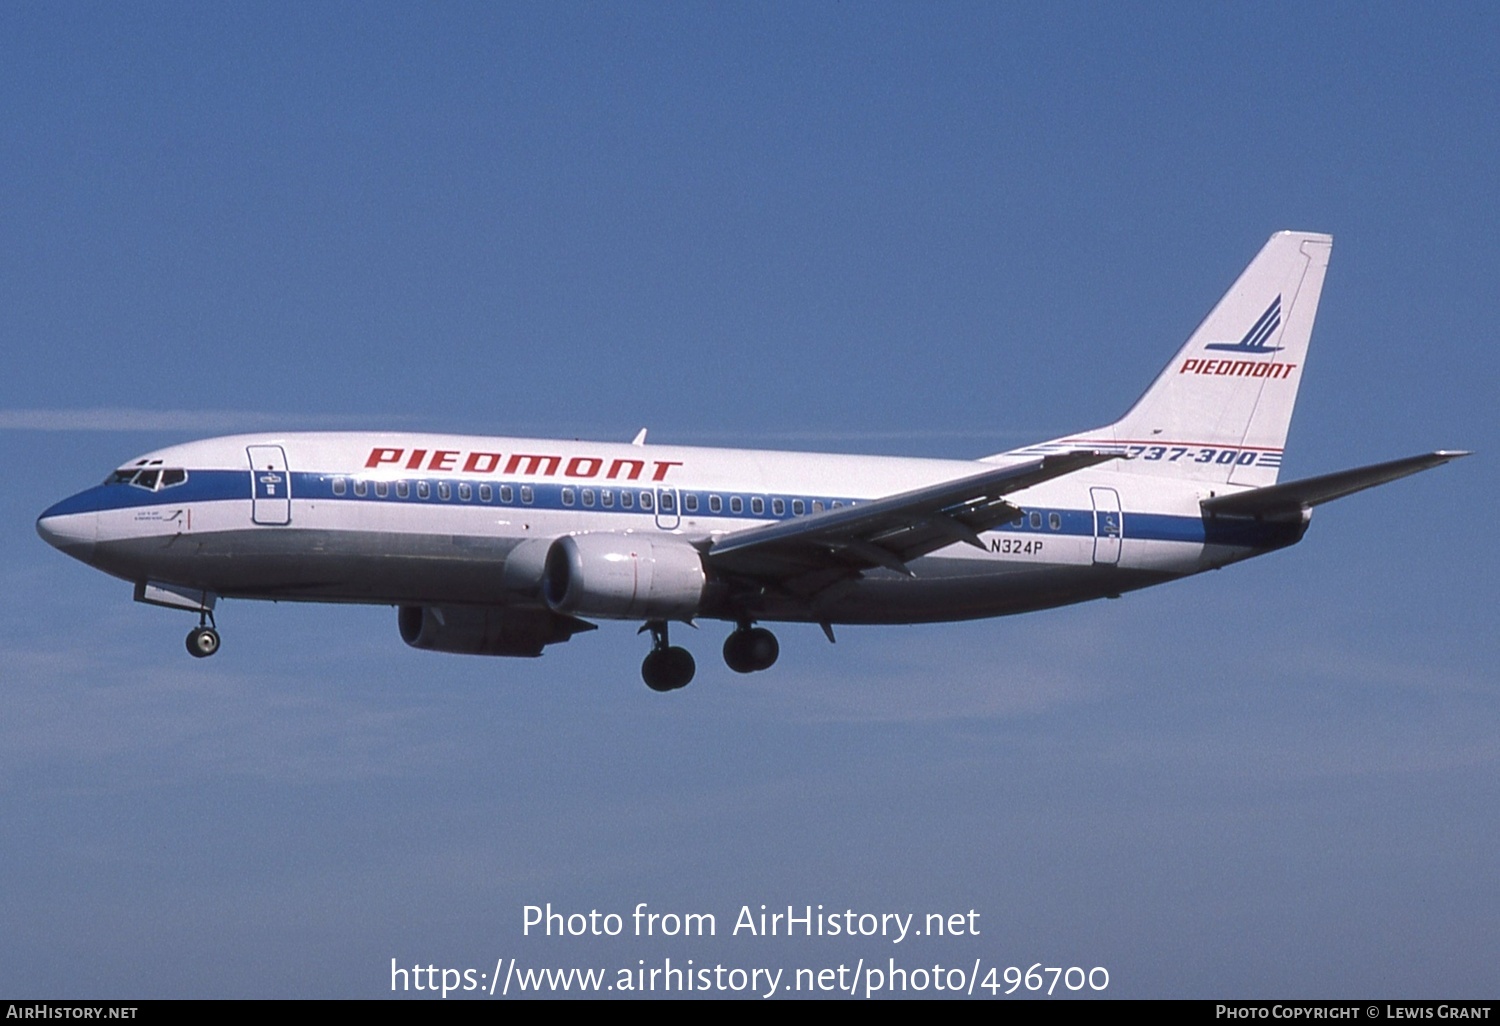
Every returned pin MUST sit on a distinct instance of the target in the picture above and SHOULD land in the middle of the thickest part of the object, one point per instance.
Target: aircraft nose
(72, 531)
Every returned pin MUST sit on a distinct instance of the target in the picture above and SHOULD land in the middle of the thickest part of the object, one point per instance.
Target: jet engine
(485, 630)
(624, 576)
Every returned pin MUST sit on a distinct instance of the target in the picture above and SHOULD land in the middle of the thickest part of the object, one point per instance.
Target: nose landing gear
(750, 649)
(667, 667)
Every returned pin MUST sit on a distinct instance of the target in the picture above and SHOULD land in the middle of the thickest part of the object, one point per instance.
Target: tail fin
(1220, 410)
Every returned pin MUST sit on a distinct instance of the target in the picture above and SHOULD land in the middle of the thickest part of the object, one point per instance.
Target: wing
(807, 553)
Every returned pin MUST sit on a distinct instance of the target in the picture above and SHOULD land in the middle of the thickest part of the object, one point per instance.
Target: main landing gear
(203, 640)
(750, 649)
(667, 667)
(747, 650)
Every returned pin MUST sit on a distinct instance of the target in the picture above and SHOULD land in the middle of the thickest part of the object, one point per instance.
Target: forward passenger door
(270, 485)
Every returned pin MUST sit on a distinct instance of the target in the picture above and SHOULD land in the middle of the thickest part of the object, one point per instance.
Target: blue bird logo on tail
(1255, 339)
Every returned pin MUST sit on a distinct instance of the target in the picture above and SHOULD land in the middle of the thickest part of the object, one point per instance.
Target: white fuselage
(419, 519)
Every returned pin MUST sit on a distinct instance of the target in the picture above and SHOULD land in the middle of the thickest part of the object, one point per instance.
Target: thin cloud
(950, 674)
(120, 418)
(126, 419)
(1365, 671)
(150, 722)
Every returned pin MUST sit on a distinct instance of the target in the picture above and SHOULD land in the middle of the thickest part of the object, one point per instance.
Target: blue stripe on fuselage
(222, 485)
(200, 486)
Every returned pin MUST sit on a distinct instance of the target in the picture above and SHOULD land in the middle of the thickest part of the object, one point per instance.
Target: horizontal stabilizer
(1295, 496)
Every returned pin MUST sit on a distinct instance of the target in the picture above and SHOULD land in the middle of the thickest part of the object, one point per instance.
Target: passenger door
(1108, 525)
(270, 485)
(668, 516)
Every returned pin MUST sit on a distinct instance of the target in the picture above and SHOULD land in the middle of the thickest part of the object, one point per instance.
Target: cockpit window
(150, 479)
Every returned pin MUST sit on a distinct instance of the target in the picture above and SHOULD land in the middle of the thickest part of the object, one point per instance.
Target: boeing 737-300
(503, 546)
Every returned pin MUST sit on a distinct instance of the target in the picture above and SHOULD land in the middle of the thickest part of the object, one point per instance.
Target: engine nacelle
(524, 566)
(624, 576)
(485, 630)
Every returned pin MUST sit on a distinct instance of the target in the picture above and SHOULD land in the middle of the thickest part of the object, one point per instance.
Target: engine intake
(624, 577)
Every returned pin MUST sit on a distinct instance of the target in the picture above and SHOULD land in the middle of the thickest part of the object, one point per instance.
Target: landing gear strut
(203, 640)
(667, 667)
(750, 649)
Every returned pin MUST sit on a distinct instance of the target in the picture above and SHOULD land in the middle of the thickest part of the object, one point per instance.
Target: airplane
(503, 546)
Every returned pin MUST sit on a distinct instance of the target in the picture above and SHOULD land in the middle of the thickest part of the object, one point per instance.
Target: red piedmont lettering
(634, 468)
(533, 464)
(481, 462)
(379, 456)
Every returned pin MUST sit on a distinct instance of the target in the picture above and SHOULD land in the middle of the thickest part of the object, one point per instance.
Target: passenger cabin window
(424, 490)
(403, 489)
(667, 503)
(736, 505)
(1054, 521)
(588, 497)
(567, 496)
(445, 492)
(797, 507)
(382, 489)
(715, 504)
(606, 498)
(778, 507)
(646, 501)
(465, 492)
(757, 505)
(626, 499)
(690, 503)
(817, 505)
(1036, 521)
(486, 493)
(340, 486)
(526, 494)
(361, 488)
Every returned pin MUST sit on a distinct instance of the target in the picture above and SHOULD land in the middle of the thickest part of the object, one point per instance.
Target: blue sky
(939, 230)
